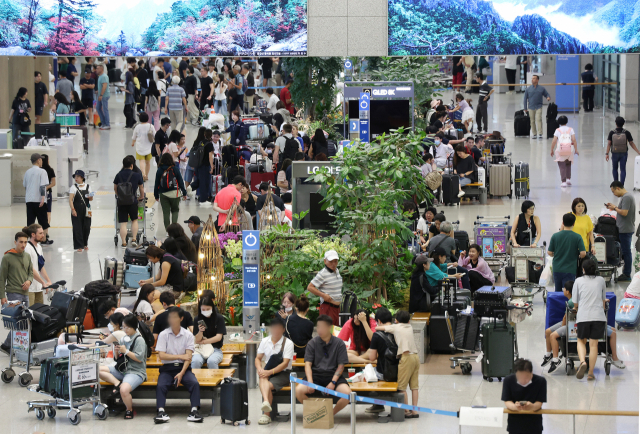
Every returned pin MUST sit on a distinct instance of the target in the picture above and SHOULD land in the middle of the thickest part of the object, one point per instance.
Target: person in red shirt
(285, 96)
(359, 331)
(224, 200)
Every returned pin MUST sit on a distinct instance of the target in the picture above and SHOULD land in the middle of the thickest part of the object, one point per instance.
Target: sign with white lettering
(352, 92)
(489, 417)
(364, 105)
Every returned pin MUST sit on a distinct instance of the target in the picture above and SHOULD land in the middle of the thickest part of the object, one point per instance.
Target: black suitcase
(136, 256)
(72, 306)
(462, 241)
(97, 304)
(552, 126)
(42, 331)
(521, 182)
(234, 401)
(498, 350)
(439, 339)
(497, 149)
(450, 189)
(521, 124)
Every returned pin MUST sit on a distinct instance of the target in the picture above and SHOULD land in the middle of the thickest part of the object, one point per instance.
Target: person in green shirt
(438, 270)
(565, 248)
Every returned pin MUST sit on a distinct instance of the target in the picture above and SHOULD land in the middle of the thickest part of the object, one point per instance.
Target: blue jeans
(619, 158)
(212, 362)
(464, 181)
(102, 107)
(561, 278)
(625, 246)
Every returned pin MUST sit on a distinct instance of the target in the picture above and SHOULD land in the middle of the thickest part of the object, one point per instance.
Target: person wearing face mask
(209, 336)
(442, 152)
(115, 329)
(288, 301)
(134, 372)
(524, 391)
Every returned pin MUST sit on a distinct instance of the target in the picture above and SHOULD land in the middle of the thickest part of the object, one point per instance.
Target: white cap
(331, 255)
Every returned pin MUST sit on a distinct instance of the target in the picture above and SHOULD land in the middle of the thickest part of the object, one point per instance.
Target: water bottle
(263, 331)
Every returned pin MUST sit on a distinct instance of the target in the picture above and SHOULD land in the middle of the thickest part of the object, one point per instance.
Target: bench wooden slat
(299, 363)
(474, 184)
(232, 349)
(421, 316)
(380, 386)
(206, 377)
(155, 362)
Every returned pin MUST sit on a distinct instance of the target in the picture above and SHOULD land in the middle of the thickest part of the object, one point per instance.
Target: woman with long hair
(480, 273)
(209, 334)
(319, 144)
(358, 330)
(220, 97)
(129, 100)
(63, 106)
(171, 247)
(282, 181)
(185, 244)
(438, 269)
(526, 229)
(146, 296)
(52, 183)
(288, 301)
(19, 106)
(298, 327)
(420, 287)
(152, 104)
(78, 108)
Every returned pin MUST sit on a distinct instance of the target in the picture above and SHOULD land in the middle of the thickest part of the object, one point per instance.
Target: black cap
(193, 219)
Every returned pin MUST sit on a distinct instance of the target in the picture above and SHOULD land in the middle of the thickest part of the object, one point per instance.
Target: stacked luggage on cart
(449, 301)
(492, 235)
(98, 293)
(607, 246)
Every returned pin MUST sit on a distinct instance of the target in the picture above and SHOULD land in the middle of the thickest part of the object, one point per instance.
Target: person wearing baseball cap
(35, 182)
(195, 227)
(328, 286)
(421, 293)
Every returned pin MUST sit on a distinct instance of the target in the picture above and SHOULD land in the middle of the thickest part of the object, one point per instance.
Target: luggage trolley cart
(524, 260)
(84, 366)
(22, 353)
(142, 226)
(492, 234)
(607, 266)
(465, 339)
(570, 341)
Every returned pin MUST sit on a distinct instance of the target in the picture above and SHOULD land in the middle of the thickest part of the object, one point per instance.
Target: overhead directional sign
(364, 104)
(348, 70)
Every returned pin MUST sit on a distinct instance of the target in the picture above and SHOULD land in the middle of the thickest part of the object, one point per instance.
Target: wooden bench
(155, 362)
(421, 316)
(209, 380)
(476, 189)
(232, 349)
(378, 390)
(299, 363)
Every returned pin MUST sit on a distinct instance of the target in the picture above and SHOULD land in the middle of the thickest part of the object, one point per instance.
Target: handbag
(205, 350)
(433, 180)
(122, 362)
(150, 134)
(276, 359)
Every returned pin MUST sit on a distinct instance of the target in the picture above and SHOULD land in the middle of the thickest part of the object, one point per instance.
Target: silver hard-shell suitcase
(114, 271)
(500, 180)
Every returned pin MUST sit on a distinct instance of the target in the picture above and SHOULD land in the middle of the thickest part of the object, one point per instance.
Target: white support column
(629, 64)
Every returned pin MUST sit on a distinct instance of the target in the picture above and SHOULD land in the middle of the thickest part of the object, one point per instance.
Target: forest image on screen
(445, 27)
(153, 27)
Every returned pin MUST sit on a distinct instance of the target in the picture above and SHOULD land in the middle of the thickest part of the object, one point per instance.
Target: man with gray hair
(533, 104)
(176, 104)
(446, 241)
(35, 182)
(236, 84)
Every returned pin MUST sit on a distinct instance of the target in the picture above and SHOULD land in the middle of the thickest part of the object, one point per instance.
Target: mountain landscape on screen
(446, 27)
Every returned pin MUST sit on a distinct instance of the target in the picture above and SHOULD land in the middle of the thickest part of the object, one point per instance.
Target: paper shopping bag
(317, 413)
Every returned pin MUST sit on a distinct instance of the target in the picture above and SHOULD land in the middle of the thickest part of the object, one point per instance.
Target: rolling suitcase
(73, 307)
(113, 271)
(43, 331)
(521, 124)
(628, 313)
(136, 256)
(450, 189)
(135, 273)
(462, 241)
(552, 126)
(439, 339)
(54, 379)
(234, 401)
(521, 182)
(500, 180)
(257, 178)
(497, 348)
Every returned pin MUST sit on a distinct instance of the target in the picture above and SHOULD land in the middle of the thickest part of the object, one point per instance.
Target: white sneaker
(564, 184)
(568, 182)
(461, 193)
(618, 364)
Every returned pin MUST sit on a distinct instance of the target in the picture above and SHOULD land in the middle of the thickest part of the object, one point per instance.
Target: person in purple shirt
(480, 273)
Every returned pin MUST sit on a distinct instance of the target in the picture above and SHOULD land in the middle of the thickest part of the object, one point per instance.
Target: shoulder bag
(151, 134)
(122, 362)
(88, 213)
(276, 359)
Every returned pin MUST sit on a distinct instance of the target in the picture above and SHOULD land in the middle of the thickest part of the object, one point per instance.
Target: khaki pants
(192, 109)
(535, 117)
(408, 371)
(36, 297)
(469, 72)
(177, 119)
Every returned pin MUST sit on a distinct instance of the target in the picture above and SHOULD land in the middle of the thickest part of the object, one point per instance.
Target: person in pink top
(358, 331)
(224, 200)
(480, 273)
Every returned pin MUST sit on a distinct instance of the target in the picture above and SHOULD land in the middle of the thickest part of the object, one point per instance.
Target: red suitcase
(258, 178)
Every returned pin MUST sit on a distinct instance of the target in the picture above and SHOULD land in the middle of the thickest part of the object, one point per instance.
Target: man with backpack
(328, 286)
(286, 146)
(383, 348)
(124, 185)
(626, 223)
(237, 88)
(618, 144)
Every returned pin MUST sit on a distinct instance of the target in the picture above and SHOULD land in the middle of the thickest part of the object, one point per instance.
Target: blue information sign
(251, 281)
(364, 107)
(354, 125)
(348, 70)
(250, 240)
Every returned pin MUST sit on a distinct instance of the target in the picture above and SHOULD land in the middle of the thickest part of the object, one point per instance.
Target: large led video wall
(447, 27)
(152, 27)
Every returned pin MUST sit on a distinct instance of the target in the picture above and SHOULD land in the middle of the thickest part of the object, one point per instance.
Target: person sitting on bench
(115, 329)
(379, 347)
(278, 352)
(358, 331)
(480, 273)
(465, 167)
(134, 372)
(324, 362)
(175, 348)
(162, 320)
(209, 335)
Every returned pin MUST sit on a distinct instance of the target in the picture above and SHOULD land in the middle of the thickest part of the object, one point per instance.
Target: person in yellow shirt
(584, 225)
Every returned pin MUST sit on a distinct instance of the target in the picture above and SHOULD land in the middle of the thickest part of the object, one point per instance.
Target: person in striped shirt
(328, 286)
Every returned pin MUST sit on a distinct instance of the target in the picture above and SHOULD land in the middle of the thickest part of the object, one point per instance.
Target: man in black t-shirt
(619, 158)
(206, 84)
(524, 391)
(377, 349)
(161, 139)
(190, 88)
(41, 96)
(267, 66)
(87, 86)
(162, 320)
(126, 212)
(481, 110)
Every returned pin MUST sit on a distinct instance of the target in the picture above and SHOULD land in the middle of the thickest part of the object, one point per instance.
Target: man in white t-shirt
(140, 139)
(273, 100)
(34, 249)
(273, 372)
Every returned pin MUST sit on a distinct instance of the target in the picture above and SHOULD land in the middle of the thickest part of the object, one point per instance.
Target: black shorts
(39, 110)
(49, 200)
(266, 73)
(591, 329)
(325, 380)
(88, 102)
(126, 212)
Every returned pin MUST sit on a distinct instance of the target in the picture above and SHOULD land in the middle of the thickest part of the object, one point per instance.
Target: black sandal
(128, 414)
(116, 388)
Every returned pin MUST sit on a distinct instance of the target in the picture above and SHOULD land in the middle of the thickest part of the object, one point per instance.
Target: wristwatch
(334, 383)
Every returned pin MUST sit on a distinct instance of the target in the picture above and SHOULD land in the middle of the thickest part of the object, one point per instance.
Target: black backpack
(607, 226)
(126, 193)
(168, 180)
(100, 287)
(552, 111)
(391, 360)
(291, 148)
(332, 148)
(229, 156)
(348, 307)
(146, 334)
(196, 156)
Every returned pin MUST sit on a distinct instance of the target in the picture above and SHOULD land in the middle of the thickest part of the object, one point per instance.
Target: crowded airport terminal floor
(440, 386)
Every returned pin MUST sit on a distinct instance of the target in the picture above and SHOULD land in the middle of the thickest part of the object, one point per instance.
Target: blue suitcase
(135, 273)
(628, 313)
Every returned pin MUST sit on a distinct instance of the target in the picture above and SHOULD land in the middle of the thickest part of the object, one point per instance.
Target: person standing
(34, 250)
(41, 96)
(457, 70)
(468, 62)
(19, 118)
(51, 174)
(485, 95)
(285, 96)
(588, 91)
(158, 68)
(510, 67)
(143, 138)
(565, 139)
(273, 101)
(206, 86)
(102, 107)
(191, 88)
(267, 65)
(167, 189)
(206, 167)
(565, 248)
(72, 73)
(87, 86)
(176, 103)
(626, 223)
(524, 387)
(80, 197)
(328, 286)
(618, 144)
(249, 95)
(152, 104)
(224, 199)
(64, 86)
(220, 102)
(16, 272)
(129, 101)
(35, 182)
(128, 206)
(533, 104)
(235, 86)
(161, 139)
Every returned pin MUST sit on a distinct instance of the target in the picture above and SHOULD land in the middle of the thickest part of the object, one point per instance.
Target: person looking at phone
(626, 223)
(273, 363)
(446, 241)
(209, 335)
(524, 391)
(286, 308)
(175, 348)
